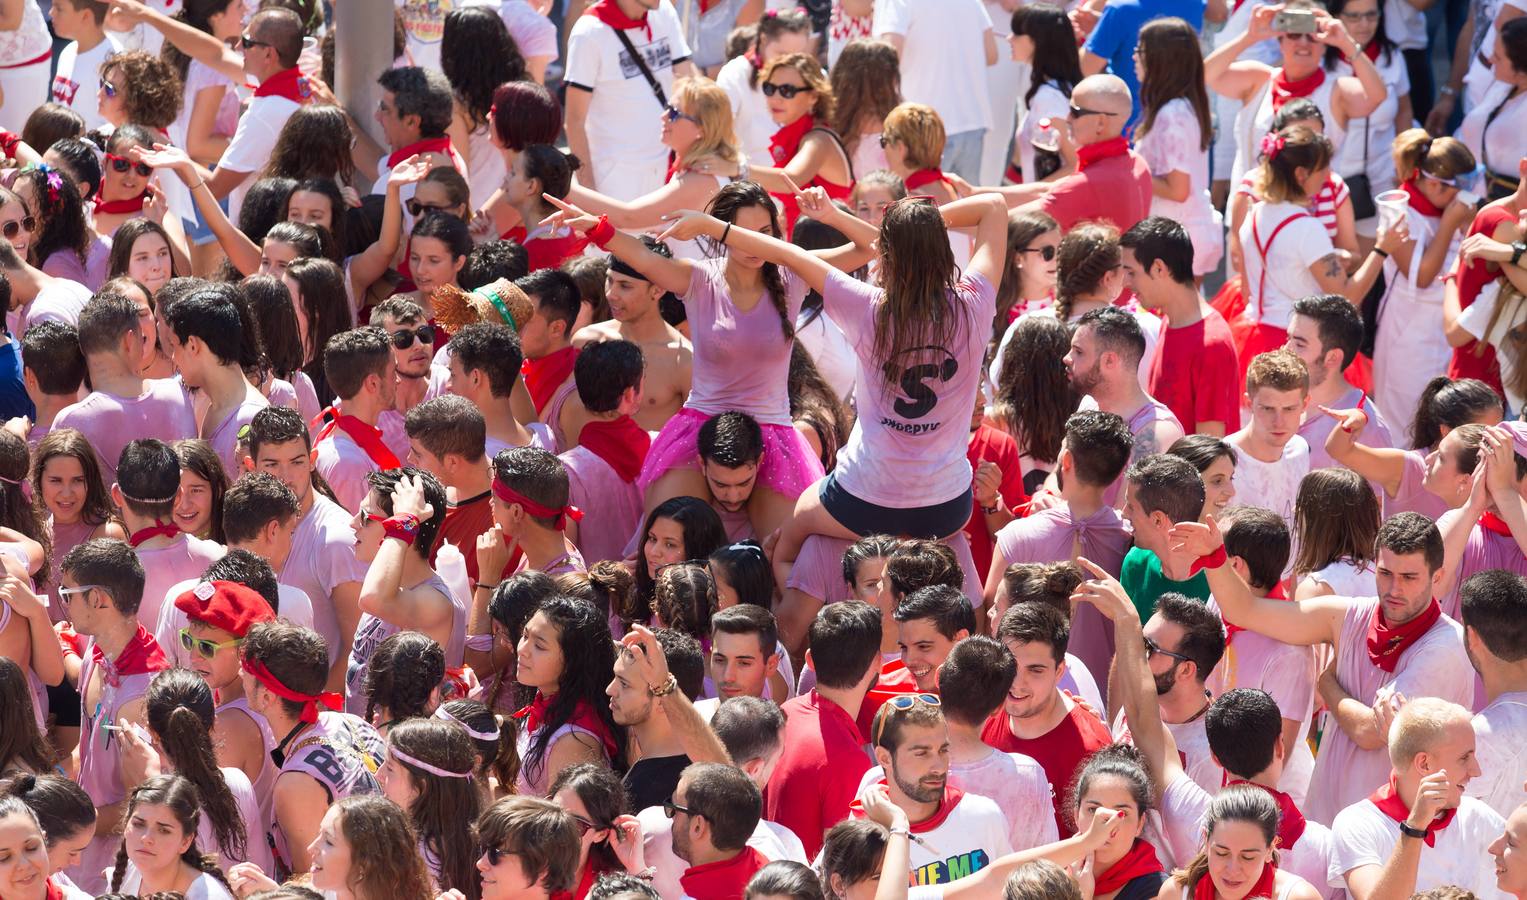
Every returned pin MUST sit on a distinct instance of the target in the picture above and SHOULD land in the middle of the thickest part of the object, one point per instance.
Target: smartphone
(1295, 21)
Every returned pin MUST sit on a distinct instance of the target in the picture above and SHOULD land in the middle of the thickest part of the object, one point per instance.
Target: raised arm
(669, 274)
(382, 593)
(188, 39)
(372, 263)
(1078, 848)
(988, 214)
(804, 263)
(1383, 466)
(647, 210)
(815, 203)
(243, 253)
(694, 734)
(1224, 71)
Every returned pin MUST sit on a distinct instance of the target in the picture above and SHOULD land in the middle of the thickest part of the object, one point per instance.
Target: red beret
(225, 604)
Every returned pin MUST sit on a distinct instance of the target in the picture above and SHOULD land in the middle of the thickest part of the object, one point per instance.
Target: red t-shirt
(1059, 752)
(818, 772)
(463, 523)
(1116, 189)
(1194, 373)
(1467, 362)
(999, 447)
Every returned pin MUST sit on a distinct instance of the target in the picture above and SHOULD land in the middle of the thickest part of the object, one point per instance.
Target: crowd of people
(732, 450)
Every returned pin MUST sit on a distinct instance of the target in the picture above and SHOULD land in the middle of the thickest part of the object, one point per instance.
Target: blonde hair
(1278, 369)
(811, 72)
(1303, 148)
(1415, 151)
(1508, 308)
(1419, 726)
(920, 130)
(708, 102)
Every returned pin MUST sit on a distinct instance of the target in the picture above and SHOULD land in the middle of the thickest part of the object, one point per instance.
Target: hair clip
(1272, 144)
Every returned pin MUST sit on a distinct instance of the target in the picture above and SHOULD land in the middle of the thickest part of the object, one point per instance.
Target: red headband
(509, 495)
(309, 702)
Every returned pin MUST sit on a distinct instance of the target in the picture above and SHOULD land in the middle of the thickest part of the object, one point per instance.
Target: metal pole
(362, 51)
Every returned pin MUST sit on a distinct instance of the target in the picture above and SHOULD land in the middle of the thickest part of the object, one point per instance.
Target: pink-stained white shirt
(164, 411)
(818, 571)
(1484, 550)
(1272, 485)
(59, 301)
(1318, 426)
(1500, 745)
(742, 359)
(225, 437)
(1412, 495)
(344, 465)
(322, 559)
(612, 508)
(1192, 748)
(184, 558)
(371, 630)
(921, 425)
(265, 783)
(541, 437)
(1364, 836)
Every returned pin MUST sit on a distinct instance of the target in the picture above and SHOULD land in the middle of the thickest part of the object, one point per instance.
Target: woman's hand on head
(163, 156)
(686, 225)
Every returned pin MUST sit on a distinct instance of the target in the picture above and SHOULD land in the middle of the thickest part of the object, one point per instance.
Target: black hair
(746, 568)
(83, 163)
(1339, 324)
(1168, 484)
(1409, 532)
(784, 878)
(420, 92)
(351, 357)
(62, 807)
(731, 439)
(876, 546)
(212, 314)
(535, 474)
(1260, 537)
(685, 660)
(557, 297)
(703, 533)
(148, 473)
(1202, 450)
(1157, 237)
(477, 54)
(1203, 639)
(384, 483)
(403, 672)
(180, 711)
(1116, 331)
(947, 607)
(921, 563)
(1100, 444)
(1056, 58)
(1122, 761)
(844, 640)
(748, 727)
(1244, 726)
(1446, 403)
(588, 654)
(1494, 605)
(51, 350)
(745, 618)
(1036, 623)
(250, 570)
(491, 261)
(975, 678)
(276, 425)
(447, 229)
(492, 349)
(264, 206)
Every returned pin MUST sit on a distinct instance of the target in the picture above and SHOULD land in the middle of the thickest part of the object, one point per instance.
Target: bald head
(282, 30)
(1101, 94)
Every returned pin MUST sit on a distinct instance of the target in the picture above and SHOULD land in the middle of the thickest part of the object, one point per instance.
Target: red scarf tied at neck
(609, 13)
(141, 656)
(726, 879)
(622, 443)
(1291, 822)
(543, 376)
(1284, 90)
(158, 529)
(583, 717)
(288, 83)
(1140, 860)
(126, 207)
(1088, 154)
(441, 145)
(367, 437)
(924, 176)
(1387, 798)
(309, 702)
(1418, 201)
(1494, 524)
(786, 141)
(1277, 593)
(1204, 890)
(1387, 642)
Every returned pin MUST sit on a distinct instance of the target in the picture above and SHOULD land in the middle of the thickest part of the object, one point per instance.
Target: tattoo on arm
(1332, 264)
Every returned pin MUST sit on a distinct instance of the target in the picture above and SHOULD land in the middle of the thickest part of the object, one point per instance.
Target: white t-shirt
(1273, 485)
(1289, 256)
(1405, 25)
(750, 111)
(943, 63)
(252, 143)
(1500, 745)
(1476, 321)
(1049, 102)
(533, 33)
(78, 78)
(1365, 836)
(968, 836)
(1013, 781)
(1501, 142)
(205, 887)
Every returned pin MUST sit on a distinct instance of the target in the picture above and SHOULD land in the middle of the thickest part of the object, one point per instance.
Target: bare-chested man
(669, 356)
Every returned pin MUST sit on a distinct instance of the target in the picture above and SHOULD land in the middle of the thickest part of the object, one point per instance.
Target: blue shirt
(1118, 32)
(13, 391)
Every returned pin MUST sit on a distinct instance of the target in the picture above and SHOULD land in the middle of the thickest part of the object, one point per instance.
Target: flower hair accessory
(1272, 144)
(50, 175)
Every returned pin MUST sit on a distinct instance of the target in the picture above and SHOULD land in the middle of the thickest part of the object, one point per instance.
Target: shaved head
(1106, 94)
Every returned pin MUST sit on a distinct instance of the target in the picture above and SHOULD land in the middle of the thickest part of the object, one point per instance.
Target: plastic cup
(1391, 208)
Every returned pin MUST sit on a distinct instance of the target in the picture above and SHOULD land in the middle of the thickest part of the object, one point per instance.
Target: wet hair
(525, 113)
(1035, 396)
(1407, 533)
(22, 744)
(250, 570)
(918, 273)
(1303, 148)
(556, 296)
(604, 371)
(1236, 803)
(491, 348)
(385, 483)
(732, 199)
(1048, 583)
(61, 806)
(420, 92)
(731, 440)
(748, 727)
(352, 357)
(1336, 518)
(445, 809)
(499, 758)
(1116, 331)
(97, 508)
(784, 878)
(214, 315)
(50, 123)
(844, 640)
(477, 54)
(539, 834)
(1174, 68)
(1260, 537)
(876, 546)
(1087, 253)
(1493, 603)
(588, 666)
(1244, 726)
(275, 317)
(112, 567)
(1159, 238)
(1056, 59)
(945, 606)
(603, 796)
(537, 475)
(403, 673)
(817, 405)
(197, 457)
(1167, 484)
(152, 89)
(747, 570)
(180, 796)
(265, 204)
(1449, 403)
(703, 533)
(1036, 623)
(384, 849)
(866, 83)
(448, 424)
(313, 144)
(974, 679)
(1121, 761)
(1100, 445)
(181, 713)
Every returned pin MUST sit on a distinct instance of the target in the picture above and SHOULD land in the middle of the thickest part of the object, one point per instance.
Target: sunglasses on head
(1045, 253)
(404, 338)
(201, 646)
(902, 703)
(788, 91)
(417, 209)
(673, 114)
(122, 164)
(16, 226)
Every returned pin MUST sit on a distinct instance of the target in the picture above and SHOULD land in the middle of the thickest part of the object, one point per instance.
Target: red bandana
(148, 534)
(120, 207)
(1489, 521)
(583, 717)
(512, 497)
(367, 437)
(1387, 799)
(141, 656)
(1204, 890)
(543, 376)
(607, 12)
(441, 145)
(288, 83)
(724, 880)
(585, 883)
(1291, 823)
(54, 891)
(1140, 860)
(1418, 201)
(946, 807)
(673, 166)
(787, 140)
(1284, 90)
(1091, 153)
(621, 443)
(924, 176)
(547, 252)
(1277, 593)
(1386, 642)
(309, 702)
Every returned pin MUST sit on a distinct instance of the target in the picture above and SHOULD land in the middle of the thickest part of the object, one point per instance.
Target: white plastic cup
(1391, 208)
(1046, 138)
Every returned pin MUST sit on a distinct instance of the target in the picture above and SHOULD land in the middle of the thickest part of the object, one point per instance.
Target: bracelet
(1382, 254)
(197, 185)
(724, 232)
(491, 587)
(1447, 90)
(1209, 561)
(904, 832)
(405, 528)
(990, 510)
(602, 232)
(668, 688)
(1417, 833)
(647, 874)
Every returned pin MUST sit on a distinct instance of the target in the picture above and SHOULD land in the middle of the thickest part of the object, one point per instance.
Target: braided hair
(1086, 254)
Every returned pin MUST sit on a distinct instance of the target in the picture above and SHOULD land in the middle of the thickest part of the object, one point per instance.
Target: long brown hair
(866, 80)
(126, 236)
(197, 456)
(918, 272)
(1174, 67)
(1509, 308)
(1035, 397)
(1022, 230)
(16, 511)
(445, 810)
(1336, 518)
(728, 202)
(20, 740)
(384, 850)
(180, 797)
(1236, 803)
(181, 713)
(97, 509)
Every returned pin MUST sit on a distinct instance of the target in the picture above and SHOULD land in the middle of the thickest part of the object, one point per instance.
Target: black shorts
(863, 518)
(64, 705)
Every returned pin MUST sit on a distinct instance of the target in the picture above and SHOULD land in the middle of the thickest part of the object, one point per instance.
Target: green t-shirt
(1144, 581)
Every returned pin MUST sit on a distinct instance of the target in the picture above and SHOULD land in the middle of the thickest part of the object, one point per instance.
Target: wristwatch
(1417, 833)
(1517, 249)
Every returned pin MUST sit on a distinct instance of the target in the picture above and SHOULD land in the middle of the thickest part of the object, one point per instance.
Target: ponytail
(1416, 151)
(180, 712)
(1446, 403)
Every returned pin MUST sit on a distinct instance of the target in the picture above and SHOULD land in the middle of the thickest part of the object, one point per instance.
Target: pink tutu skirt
(787, 468)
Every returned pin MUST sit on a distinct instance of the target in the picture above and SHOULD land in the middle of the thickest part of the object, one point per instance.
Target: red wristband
(1208, 561)
(8, 143)
(405, 528)
(602, 233)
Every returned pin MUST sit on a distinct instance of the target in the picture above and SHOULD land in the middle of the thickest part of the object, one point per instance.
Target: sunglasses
(16, 226)
(671, 809)
(495, 855)
(1447, 182)
(203, 647)
(1301, 36)
(247, 42)
(122, 164)
(417, 209)
(788, 91)
(672, 114)
(583, 825)
(82, 589)
(1045, 253)
(1078, 112)
(109, 89)
(1152, 648)
(886, 142)
(404, 338)
(902, 703)
(1360, 17)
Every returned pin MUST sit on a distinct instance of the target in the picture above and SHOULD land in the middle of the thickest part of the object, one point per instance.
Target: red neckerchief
(1290, 824)
(673, 166)
(787, 140)
(583, 717)
(1277, 593)
(1489, 521)
(1418, 201)
(543, 376)
(120, 207)
(441, 145)
(288, 83)
(1204, 890)
(309, 702)
(1371, 51)
(1090, 153)
(1387, 798)
(1140, 860)
(585, 883)
(621, 443)
(1284, 90)
(607, 12)
(141, 656)
(1386, 642)
(724, 880)
(54, 891)
(946, 805)
(924, 176)
(367, 437)
(158, 529)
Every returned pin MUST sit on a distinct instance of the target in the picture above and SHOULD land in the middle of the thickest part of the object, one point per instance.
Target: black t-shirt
(1145, 887)
(653, 780)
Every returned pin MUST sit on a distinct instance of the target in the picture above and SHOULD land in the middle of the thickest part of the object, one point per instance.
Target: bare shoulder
(593, 334)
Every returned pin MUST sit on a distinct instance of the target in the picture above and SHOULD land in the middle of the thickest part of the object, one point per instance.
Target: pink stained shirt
(265, 783)
(1484, 550)
(1412, 495)
(742, 359)
(344, 465)
(1434, 666)
(59, 301)
(1318, 426)
(185, 557)
(109, 422)
(322, 559)
(1152, 425)
(612, 508)
(225, 437)
(921, 426)
(92, 273)
(65, 538)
